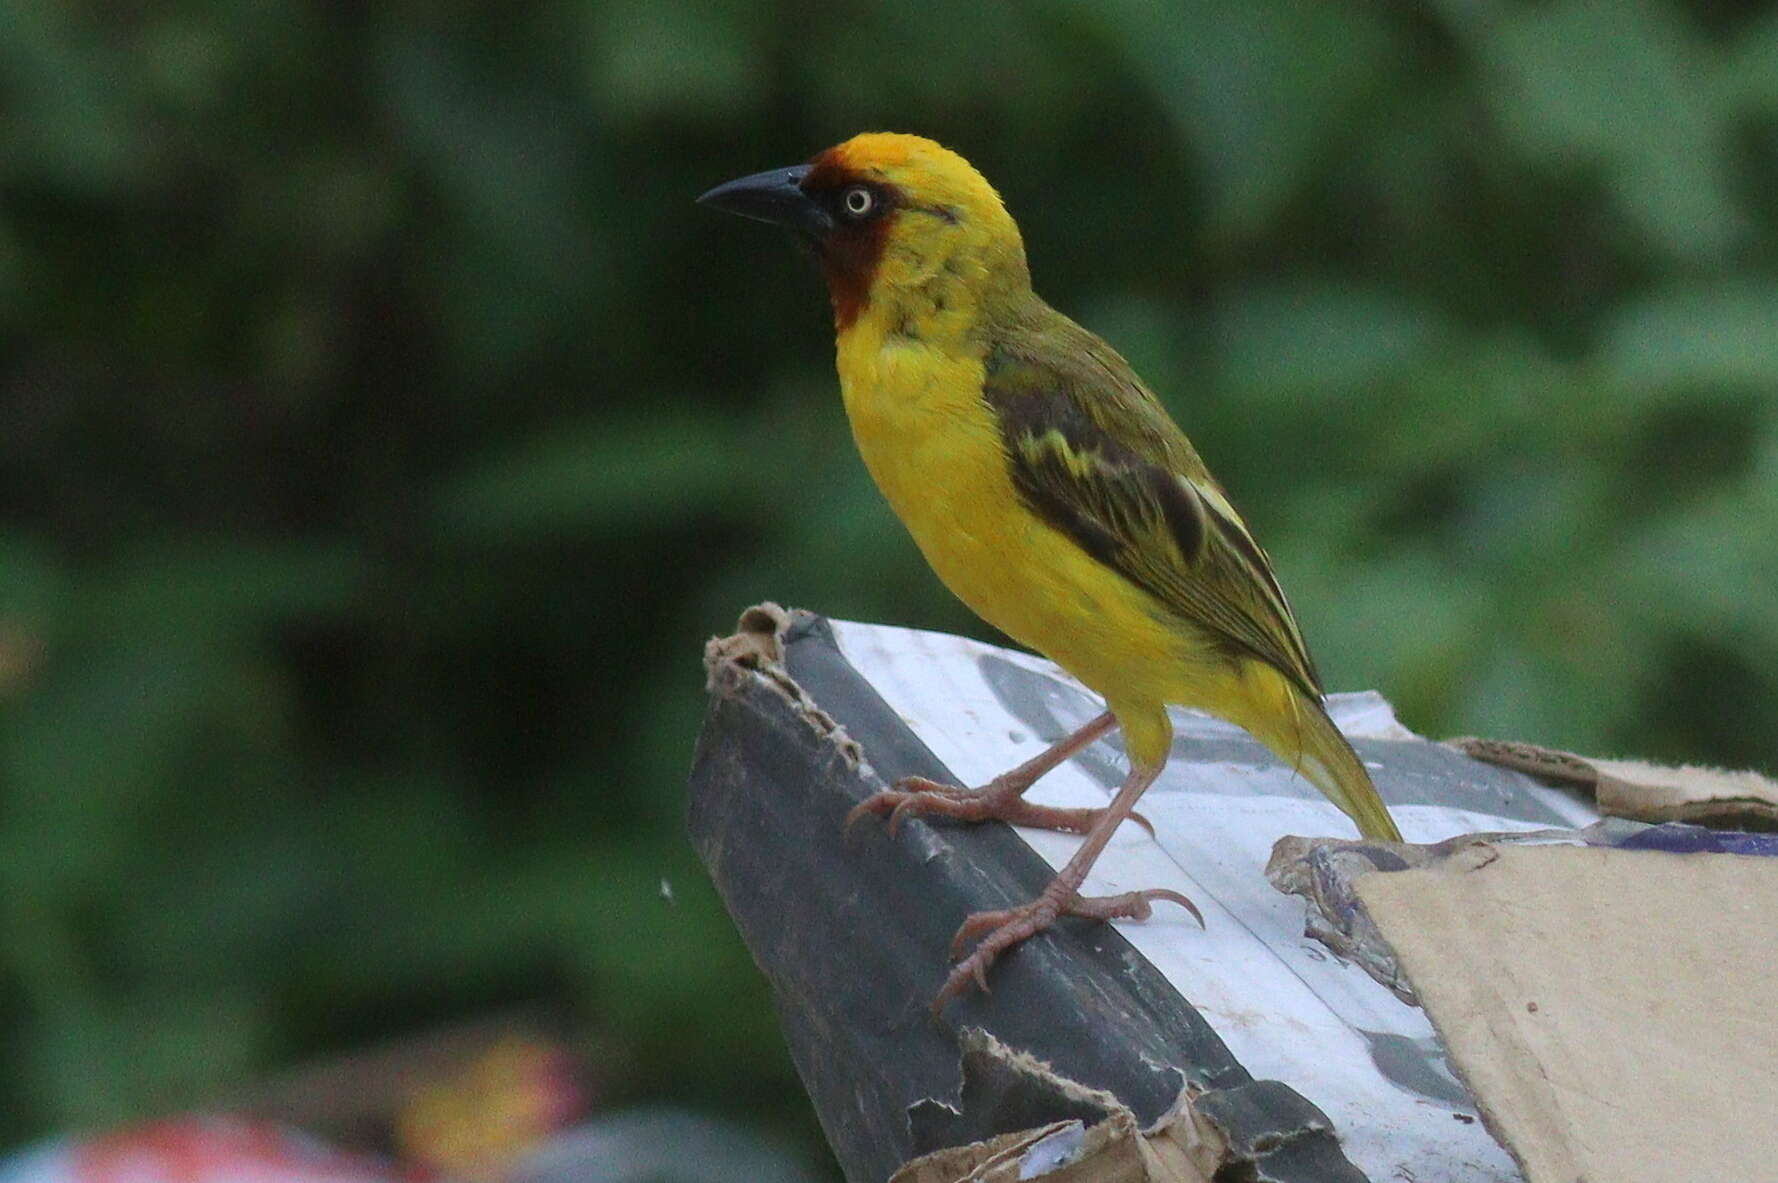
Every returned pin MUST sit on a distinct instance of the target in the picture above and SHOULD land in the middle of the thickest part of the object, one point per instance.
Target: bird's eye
(858, 201)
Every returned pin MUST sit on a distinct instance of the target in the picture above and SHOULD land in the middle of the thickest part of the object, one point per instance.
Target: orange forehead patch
(887, 152)
(876, 149)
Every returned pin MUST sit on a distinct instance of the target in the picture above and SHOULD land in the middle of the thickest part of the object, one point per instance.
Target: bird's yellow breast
(933, 447)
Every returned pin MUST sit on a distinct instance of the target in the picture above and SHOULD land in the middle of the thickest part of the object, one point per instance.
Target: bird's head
(899, 223)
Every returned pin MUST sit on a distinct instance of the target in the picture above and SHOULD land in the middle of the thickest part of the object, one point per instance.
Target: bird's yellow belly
(934, 449)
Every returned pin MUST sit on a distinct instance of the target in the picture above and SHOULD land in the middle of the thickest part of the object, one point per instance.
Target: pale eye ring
(858, 201)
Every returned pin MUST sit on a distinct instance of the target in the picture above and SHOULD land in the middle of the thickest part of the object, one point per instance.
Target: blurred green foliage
(382, 429)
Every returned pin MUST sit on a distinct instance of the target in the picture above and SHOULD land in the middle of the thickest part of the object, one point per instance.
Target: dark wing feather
(1093, 454)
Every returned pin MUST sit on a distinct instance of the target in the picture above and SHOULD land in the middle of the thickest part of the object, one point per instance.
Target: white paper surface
(1286, 1007)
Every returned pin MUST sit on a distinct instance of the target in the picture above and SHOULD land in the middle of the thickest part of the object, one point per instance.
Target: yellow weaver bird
(1051, 492)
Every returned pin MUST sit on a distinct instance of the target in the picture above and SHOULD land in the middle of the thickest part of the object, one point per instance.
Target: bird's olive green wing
(1093, 454)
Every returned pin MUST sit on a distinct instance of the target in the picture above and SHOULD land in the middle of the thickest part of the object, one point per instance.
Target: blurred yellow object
(476, 1123)
(1051, 492)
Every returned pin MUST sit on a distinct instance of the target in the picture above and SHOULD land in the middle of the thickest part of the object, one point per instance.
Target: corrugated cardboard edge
(754, 653)
(1183, 1147)
(1610, 1010)
(1114, 1151)
(1641, 791)
(1323, 870)
(1204, 1136)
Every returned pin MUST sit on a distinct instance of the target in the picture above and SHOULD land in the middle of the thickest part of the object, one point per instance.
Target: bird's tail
(1307, 738)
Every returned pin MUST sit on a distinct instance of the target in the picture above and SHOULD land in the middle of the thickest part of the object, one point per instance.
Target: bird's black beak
(774, 196)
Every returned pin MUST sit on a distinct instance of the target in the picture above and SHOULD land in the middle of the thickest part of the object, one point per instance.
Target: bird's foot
(1001, 930)
(1001, 799)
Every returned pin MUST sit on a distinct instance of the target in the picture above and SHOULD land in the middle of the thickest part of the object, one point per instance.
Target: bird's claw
(916, 796)
(1132, 905)
(906, 797)
(1000, 930)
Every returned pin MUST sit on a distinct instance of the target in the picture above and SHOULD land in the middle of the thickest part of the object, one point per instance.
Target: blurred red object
(212, 1150)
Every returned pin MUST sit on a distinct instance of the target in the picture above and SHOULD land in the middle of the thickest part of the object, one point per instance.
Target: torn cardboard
(1640, 791)
(1615, 1012)
(1205, 1136)
(1133, 1010)
(1326, 871)
(1089, 1134)
(754, 654)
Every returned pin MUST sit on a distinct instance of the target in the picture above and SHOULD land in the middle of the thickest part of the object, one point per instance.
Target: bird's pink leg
(1001, 930)
(1002, 798)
